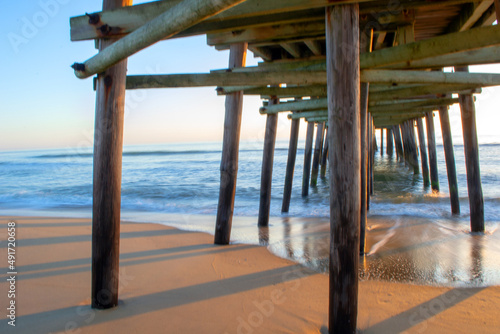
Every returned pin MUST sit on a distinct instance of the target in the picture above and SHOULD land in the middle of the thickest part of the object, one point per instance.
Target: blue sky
(46, 106)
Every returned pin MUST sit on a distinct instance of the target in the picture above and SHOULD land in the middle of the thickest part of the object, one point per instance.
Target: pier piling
(431, 146)
(343, 77)
(290, 165)
(230, 151)
(307, 159)
(449, 155)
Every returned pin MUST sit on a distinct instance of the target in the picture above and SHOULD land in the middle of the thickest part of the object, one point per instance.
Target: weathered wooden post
(373, 146)
(230, 150)
(307, 159)
(365, 40)
(412, 146)
(449, 155)
(108, 148)
(399, 145)
(317, 153)
(290, 165)
(342, 41)
(381, 142)
(471, 147)
(390, 142)
(267, 165)
(423, 152)
(431, 145)
(324, 156)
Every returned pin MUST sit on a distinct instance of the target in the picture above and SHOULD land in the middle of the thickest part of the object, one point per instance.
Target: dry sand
(173, 281)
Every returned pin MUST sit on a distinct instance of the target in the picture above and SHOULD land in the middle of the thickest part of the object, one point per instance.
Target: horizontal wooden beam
(423, 77)
(405, 106)
(252, 80)
(312, 104)
(224, 79)
(126, 20)
(306, 114)
(424, 90)
(183, 15)
(461, 41)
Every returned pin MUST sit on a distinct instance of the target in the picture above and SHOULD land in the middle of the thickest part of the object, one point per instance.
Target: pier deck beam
(423, 153)
(431, 146)
(230, 151)
(342, 40)
(290, 165)
(267, 166)
(471, 147)
(449, 155)
(317, 154)
(307, 159)
(108, 148)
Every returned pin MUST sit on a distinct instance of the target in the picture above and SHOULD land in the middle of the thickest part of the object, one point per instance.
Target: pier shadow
(59, 320)
(421, 314)
(87, 237)
(128, 259)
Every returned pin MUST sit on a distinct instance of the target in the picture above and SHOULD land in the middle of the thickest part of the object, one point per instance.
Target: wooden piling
(423, 153)
(324, 156)
(108, 148)
(230, 150)
(382, 142)
(290, 165)
(307, 159)
(267, 166)
(412, 146)
(404, 142)
(342, 40)
(317, 153)
(373, 147)
(449, 155)
(364, 164)
(471, 148)
(390, 142)
(431, 146)
(396, 130)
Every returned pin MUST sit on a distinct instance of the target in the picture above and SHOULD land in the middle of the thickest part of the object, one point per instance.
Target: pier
(349, 69)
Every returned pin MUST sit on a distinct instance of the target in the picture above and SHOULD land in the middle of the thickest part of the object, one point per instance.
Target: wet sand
(174, 281)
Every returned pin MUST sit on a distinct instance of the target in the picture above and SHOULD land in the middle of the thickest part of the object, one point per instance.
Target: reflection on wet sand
(404, 249)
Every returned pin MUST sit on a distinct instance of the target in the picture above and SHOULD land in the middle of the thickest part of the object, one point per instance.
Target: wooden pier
(346, 68)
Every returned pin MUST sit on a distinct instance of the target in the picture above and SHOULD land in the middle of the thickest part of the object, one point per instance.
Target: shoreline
(174, 281)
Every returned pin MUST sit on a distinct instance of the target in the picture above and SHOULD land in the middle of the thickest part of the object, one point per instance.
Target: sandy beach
(174, 281)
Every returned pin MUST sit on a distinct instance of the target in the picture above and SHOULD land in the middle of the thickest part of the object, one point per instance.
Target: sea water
(411, 234)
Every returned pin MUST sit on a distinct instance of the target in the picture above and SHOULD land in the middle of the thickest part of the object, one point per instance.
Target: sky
(45, 106)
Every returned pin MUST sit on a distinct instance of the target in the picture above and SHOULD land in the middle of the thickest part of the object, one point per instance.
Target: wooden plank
(133, 18)
(312, 104)
(267, 167)
(424, 90)
(106, 205)
(469, 15)
(317, 154)
(230, 151)
(471, 148)
(290, 165)
(432, 47)
(307, 114)
(423, 153)
(225, 79)
(314, 46)
(407, 105)
(292, 48)
(431, 140)
(307, 159)
(342, 29)
(249, 80)
(450, 159)
(185, 14)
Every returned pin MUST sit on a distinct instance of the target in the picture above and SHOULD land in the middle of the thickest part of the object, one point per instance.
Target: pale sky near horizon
(46, 106)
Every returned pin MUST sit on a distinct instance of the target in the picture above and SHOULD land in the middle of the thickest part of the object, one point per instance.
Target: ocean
(412, 236)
